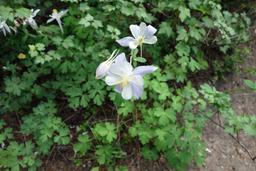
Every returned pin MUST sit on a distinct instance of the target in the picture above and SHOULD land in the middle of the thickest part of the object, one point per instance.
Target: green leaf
(140, 59)
(104, 154)
(149, 153)
(194, 4)
(196, 33)
(182, 34)
(183, 50)
(14, 86)
(250, 129)
(6, 13)
(250, 84)
(23, 12)
(126, 108)
(184, 13)
(97, 24)
(83, 144)
(87, 20)
(166, 29)
(194, 65)
(105, 132)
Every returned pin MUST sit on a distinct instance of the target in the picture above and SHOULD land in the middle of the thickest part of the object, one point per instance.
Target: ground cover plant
(152, 101)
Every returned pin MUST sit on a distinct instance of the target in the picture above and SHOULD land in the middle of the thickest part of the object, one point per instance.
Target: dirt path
(224, 153)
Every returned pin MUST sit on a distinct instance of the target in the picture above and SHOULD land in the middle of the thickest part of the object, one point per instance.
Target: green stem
(131, 57)
(131, 60)
(141, 50)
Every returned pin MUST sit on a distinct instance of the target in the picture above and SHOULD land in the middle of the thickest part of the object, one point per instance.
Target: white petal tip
(155, 68)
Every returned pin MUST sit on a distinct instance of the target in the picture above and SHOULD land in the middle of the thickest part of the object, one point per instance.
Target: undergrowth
(50, 97)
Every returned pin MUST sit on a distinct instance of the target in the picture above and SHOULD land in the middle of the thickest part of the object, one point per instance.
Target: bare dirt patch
(224, 153)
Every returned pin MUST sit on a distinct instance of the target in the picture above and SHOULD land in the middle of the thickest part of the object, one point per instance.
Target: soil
(224, 153)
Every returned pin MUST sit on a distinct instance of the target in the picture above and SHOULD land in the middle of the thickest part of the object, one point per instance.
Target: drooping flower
(4, 28)
(103, 68)
(57, 16)
(30, 20)
(128, 81)
(141, 34)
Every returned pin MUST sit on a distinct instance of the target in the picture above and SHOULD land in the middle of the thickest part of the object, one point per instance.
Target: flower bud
(102, 70)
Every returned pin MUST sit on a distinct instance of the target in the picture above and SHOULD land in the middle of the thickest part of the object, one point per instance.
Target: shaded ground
(224, 153)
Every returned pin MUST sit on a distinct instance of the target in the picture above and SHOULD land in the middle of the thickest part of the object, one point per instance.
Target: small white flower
(4, 28)
(57, 16)
(128, 81)
(141, 34)
(103, 68)
(30, 20)
(2, 145)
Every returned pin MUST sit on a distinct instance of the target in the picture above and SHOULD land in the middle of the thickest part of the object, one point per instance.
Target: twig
(234, 138)
(103, 120)
(243, 94)
(141, 51)
(118, 128)
(68, 118)
(66, 159)
(18, 118)
(219, 119)
(48, 158)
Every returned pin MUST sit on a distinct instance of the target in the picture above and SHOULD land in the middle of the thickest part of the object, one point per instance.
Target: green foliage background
(52, 98)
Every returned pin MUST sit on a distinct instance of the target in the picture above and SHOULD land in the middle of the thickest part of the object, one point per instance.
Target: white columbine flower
(57, 16)
(141, 34)
(103, 68)
(30, 20)
(4, 27)
(127, 80)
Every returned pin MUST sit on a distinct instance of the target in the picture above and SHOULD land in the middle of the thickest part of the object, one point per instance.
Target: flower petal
(143, 28)
(120, 58)
(133, 45)
(150, 31)
(50, 20)
(142, 70)
(151, 40)
(32, 23)
(60, 24)
(6, 27)
(125, 41)
(102, 70)
(121, 69)
(4, 32)
(112, 80)
(118, 88)
(127, 92)
(62, 13)
(135, 30)
(137, 86)
(34, 13)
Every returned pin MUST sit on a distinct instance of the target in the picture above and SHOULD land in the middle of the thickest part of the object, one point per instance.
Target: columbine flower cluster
(31, 21)
(118, 72)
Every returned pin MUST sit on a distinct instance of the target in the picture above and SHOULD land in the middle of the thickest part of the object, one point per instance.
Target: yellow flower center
(125, 81)
(54, 11)
(21, 56)
(140, 40)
